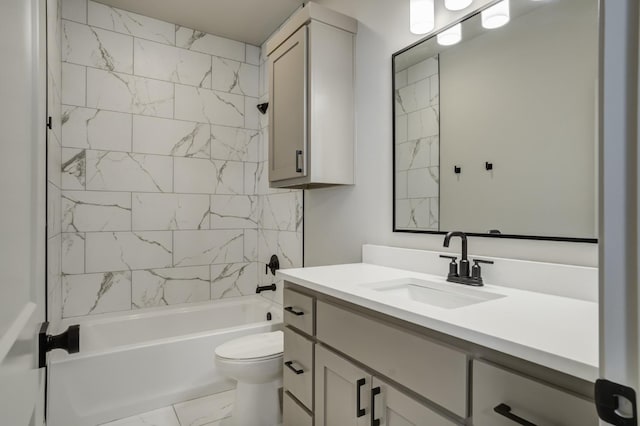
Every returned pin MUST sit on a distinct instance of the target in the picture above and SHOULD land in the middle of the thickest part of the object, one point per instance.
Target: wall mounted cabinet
(311, 105)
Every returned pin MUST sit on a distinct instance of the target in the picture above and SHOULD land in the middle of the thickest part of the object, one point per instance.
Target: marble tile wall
(54, 155)
(417, 142)
(161, 194)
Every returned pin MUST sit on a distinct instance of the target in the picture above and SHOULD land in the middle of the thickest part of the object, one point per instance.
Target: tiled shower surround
(163, 195)
(417, 146)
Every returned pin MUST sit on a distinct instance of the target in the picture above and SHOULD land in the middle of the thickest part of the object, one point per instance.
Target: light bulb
(451, 36)
(457, 4)
(422, 16)
(496, 16)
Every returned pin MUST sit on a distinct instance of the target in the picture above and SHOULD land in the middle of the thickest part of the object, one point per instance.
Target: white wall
(339, 220)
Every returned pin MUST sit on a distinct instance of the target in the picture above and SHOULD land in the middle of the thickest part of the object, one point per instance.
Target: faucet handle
(444, 256)
(476, 271)
(453, 266)
(488, 262)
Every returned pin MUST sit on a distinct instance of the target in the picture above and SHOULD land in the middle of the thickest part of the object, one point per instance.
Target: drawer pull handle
(375, 391)
(505, 410)
(359, 411)
(290, 366)
(293, 311)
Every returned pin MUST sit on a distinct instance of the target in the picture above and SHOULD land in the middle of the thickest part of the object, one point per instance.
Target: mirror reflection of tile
(417, 146)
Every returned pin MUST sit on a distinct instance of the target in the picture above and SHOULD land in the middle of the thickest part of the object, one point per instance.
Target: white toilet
(255, 361)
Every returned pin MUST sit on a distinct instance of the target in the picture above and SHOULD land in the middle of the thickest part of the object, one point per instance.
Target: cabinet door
(288, 108)
(394, 408)
(342, 391)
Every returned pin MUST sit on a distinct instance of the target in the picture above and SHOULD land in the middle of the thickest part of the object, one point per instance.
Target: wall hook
(457, 169)
(488, 165)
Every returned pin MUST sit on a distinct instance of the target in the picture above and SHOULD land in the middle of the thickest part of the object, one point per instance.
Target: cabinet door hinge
(49, 123)
(616, 404)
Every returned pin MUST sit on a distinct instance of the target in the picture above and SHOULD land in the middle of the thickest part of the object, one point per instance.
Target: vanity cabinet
(501, 397)
(311, 105)
(368, 367)
(298, 356)
(350, 396)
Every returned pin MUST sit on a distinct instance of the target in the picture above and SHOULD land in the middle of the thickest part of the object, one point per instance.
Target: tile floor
(206, 411)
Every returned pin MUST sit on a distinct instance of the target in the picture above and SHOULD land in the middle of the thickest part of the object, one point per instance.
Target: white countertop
(554, 331)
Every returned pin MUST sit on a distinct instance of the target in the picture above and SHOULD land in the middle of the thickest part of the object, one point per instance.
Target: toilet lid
(262, 345)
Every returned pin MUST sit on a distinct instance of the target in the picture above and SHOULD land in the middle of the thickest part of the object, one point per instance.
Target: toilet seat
(255, 347)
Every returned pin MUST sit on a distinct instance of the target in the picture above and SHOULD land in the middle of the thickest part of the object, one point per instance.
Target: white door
(619, 223)
(22, 210)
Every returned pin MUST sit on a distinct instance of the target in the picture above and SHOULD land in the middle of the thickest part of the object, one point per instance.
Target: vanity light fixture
(451, 36)
(422, 17)
(457, 4)
(496, 16)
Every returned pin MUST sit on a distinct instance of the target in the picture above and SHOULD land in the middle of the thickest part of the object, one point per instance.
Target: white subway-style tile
(126, 93)
(73, 168)
(423, 182)
(162, 287)
(114, 251)
(210, 44)
(252, 55)
(96, 293)
(233, 280)
(208, 106)
(232, 143)
(234, 211)
(168, 63)
(207, 247)
(96, 129)
(84, 211)
(74, 83)
(282, 212)
(251, 115)
(121, 21)
(121, 171)
(72, 253)
(234, 77)
(94, 47)
(152, 135)
(194, 175)
(159, 212)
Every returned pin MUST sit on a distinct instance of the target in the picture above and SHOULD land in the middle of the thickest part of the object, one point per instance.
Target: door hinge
(612, 400)
(49, 123)
(69, 341)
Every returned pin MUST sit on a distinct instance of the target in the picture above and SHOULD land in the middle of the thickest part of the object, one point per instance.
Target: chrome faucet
(463, 276)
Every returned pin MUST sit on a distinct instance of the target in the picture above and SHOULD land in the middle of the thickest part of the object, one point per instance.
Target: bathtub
(136, 362)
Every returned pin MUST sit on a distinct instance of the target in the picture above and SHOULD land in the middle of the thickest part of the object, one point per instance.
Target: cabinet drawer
(437, 372)
(298, 366)
(528, 399)
(298, 311)
(293, 414)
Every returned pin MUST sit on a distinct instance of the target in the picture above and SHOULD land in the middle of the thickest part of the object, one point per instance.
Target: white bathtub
(135, 362)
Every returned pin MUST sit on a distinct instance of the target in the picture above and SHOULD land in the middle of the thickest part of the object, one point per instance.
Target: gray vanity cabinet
(311, 105)
(395, 408)
(342, 391)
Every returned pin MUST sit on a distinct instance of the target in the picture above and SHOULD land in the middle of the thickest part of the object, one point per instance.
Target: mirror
(497, 135)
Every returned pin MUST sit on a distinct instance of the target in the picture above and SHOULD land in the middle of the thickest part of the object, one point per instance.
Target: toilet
(255, 362)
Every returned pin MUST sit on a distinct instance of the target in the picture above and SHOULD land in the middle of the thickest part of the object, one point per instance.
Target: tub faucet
(463, 276)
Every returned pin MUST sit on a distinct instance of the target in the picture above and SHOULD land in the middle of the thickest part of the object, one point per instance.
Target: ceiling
(249, 21)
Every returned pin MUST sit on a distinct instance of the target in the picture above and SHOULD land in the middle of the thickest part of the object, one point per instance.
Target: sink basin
(440, 294)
